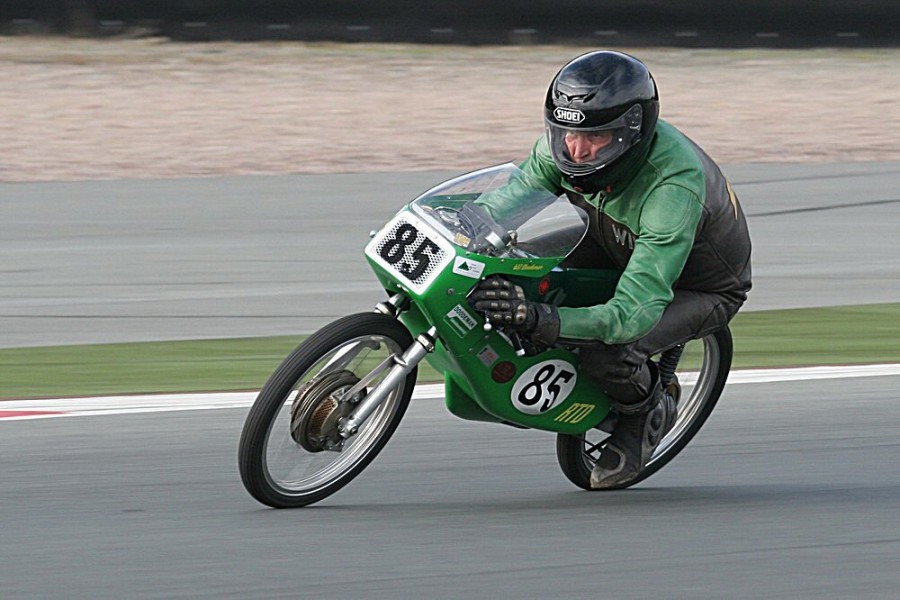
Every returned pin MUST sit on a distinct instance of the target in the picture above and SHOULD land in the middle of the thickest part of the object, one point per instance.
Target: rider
(662, 214)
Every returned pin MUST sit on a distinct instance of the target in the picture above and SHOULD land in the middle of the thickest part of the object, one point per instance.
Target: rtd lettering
(575, 413)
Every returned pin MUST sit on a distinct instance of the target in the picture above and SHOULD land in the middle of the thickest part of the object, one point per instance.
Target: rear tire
(290, 453)
(711, 356)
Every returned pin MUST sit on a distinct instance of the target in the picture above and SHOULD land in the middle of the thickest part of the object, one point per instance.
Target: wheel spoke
(345, 356)
(293, 468)
(590, 449)
(701, 373)
(696, 374)
(292, 452)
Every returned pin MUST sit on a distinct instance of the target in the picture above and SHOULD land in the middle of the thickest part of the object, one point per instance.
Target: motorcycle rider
(662, 214)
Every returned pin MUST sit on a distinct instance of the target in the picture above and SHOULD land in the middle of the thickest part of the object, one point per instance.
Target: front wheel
(291, 453)
(701, 372)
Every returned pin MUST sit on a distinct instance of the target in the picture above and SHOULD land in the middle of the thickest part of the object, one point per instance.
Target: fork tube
(393, 305)
(404, 365)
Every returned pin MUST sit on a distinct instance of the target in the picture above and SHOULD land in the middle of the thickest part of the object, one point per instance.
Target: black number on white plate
(532, 393)
(411, 263)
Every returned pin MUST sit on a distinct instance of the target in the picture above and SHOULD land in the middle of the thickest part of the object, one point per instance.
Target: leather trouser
(622, 370)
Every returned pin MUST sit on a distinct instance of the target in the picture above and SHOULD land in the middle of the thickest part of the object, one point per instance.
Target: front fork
(400, 367)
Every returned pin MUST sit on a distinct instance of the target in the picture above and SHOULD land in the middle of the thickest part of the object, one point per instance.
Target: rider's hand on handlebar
(505, 304)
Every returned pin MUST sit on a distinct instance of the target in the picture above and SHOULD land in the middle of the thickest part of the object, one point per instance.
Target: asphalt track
(91, 262)
(791, 490)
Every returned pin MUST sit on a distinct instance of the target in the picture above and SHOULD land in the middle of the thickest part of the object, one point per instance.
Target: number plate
(543, 386)
(411, 251)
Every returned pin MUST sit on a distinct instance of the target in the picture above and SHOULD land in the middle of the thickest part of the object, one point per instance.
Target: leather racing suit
(675, 230)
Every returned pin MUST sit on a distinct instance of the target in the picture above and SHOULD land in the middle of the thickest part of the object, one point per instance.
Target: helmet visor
(584, 150)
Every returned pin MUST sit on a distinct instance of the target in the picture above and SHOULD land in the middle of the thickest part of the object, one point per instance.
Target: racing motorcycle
(335, 401)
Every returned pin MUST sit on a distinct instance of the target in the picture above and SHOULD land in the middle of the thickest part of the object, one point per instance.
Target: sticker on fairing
(488, 356)
(468, 267)
(543, 386)
(411, 251)
(460, 320)
(461, 240)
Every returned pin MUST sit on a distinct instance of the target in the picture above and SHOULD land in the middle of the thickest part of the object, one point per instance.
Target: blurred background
(691, 23)
(186, 187)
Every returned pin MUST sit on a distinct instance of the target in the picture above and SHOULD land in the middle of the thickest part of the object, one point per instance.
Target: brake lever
(512, 338)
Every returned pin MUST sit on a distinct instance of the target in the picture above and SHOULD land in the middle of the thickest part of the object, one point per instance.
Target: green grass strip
(799, 337)
(838, 335)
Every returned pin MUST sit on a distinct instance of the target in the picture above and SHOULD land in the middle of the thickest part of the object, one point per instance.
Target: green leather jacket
(675, 223)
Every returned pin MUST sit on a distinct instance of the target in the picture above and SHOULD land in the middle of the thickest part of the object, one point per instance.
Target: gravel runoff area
(136, 108)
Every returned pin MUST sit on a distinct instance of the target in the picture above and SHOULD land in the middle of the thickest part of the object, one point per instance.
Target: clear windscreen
(502, 212)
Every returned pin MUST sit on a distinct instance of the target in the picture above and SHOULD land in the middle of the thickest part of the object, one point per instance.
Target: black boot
(637, 434)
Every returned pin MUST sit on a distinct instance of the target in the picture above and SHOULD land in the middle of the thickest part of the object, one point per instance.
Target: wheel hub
(317, 411)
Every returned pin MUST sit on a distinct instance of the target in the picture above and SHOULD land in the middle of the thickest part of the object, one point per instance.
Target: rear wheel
(291, 453)
(702, 372)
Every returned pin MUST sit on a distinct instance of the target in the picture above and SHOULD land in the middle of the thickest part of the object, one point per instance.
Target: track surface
(791, 490)
(229, 257)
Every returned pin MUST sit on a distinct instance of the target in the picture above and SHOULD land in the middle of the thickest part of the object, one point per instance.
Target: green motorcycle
(334, 402)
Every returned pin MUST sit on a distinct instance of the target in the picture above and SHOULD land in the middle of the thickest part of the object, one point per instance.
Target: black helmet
(600, 92)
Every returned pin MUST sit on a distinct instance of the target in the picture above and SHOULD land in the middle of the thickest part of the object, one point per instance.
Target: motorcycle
(335, 401)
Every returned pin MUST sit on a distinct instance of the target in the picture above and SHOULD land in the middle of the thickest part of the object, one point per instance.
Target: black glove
(505, 304)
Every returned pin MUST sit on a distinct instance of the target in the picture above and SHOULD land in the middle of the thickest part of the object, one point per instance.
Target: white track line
(19, 410)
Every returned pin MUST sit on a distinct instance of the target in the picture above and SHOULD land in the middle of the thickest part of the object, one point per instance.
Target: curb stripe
(18, 410)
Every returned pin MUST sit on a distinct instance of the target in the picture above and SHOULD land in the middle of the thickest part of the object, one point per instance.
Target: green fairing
(331, 405)
(471, 391)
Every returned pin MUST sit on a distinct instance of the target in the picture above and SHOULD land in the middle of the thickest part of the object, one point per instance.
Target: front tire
(290, 453)
(702, 372)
